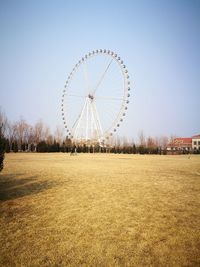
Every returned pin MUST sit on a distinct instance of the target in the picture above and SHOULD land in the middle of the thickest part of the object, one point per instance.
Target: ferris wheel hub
(90, 96)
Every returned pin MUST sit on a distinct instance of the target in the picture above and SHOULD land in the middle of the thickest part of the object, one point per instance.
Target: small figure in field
(73, 151)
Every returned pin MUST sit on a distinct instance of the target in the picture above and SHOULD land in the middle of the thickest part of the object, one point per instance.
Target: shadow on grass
(13, 187)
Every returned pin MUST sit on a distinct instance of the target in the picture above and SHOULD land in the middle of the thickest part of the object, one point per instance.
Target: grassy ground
(100, 210)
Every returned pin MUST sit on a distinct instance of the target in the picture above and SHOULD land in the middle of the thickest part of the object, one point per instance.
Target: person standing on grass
(74, 150)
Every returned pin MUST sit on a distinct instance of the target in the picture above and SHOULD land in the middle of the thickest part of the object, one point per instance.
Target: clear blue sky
(158, 40)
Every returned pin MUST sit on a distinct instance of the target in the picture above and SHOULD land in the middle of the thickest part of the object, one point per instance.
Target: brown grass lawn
(100, 210)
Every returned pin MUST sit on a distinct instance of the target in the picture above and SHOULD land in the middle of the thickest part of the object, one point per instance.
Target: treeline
(68, 147)
(20, 136)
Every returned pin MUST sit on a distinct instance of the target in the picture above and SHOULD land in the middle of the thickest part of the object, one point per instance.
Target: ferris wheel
(95, 97)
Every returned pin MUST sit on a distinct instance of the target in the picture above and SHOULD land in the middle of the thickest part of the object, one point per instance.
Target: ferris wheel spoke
(109, 98)
(86, 77)
(77, 96)
(102, 77)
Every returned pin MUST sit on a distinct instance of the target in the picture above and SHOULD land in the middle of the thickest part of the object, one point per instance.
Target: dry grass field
(100, 210)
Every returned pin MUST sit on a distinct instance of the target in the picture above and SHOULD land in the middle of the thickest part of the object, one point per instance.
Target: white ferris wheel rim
(106, 134)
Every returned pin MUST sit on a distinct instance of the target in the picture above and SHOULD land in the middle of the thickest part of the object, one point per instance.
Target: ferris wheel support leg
(87, 115)
(93, 124)
(76, 126)
(97, 121)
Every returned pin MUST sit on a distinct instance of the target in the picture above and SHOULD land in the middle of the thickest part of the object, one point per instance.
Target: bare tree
(151, 143)
(59, 134)
(29, 137)
(118, 141)
(50, 139)
(164, 142)
(46, 134)
(172, 137)
(157, 141)
(3, 122)
(10, 134)
(142, 139)
(38, 132)
(125, 141)
(20, 130)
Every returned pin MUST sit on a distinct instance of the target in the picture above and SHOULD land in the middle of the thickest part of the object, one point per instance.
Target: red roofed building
(180, 144)
(184, 145)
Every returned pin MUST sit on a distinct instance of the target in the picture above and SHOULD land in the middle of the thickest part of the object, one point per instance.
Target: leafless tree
(3, 122)
(172, 137)
(142, 139)
(10, 134)
(163, 142)
(125, 141)
(151, 143)
(38, 132)
(59, 135)
(20, 131)
(118, 141)
(50, 139)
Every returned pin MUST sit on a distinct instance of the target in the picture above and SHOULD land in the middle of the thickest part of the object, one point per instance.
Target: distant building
(180, 145)
(184, 145)
(196, 142)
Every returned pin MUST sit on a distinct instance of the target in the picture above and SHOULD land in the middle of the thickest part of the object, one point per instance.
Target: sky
(159, 41)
